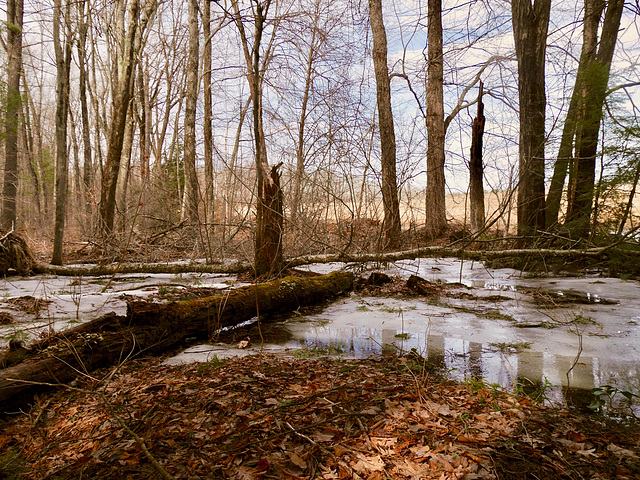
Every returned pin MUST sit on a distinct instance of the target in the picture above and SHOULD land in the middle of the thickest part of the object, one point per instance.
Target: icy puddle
(522, 337)
(499, 327)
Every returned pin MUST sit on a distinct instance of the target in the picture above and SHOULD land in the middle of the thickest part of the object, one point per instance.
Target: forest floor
(269, 417)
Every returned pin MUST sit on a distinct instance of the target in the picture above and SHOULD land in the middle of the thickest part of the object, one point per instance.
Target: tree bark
(119, 116)
(125, 62)
(62, 46)
(476, 169)
(591, 21)
(435, 206)
(588, 124)
(192, 189)
(87, 177)
(300, 157)
(152, 328)
(208, 116)
(268, 258)
(14, 67)
(391, 224)
(530, 26)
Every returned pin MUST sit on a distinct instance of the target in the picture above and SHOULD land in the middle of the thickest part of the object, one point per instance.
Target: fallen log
(151, 328)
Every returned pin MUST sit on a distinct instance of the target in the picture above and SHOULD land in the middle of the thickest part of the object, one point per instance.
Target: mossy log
(151, 328)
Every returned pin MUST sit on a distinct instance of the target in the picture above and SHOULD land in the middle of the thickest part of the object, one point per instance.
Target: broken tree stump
(151, 328)
(15, 255)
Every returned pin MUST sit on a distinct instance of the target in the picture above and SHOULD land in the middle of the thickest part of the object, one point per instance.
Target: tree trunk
(191, 190)
(391, 224)
(119, 110)
(530, 26)
(588, 124)
(154, 328)
(300, 157)
(268, 258)
(436, 210)
(12, 108)
(208, 116)
(87, 178)
(63, 65)
(592, 15)
(476, 169)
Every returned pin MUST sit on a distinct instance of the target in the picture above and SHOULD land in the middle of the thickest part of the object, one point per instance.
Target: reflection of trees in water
(461, 359)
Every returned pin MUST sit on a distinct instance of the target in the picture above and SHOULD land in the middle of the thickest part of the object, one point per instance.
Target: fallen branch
(154, 328)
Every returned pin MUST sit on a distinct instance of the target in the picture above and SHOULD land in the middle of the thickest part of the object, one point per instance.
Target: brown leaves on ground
(266, 417)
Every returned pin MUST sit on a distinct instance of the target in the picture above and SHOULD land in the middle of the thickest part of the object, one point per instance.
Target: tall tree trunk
(594, 89)
(30, 150)
(256, 67)
(530, 26)
(124, 175)
(391, 225)
(191, 190)
(208, 114)
(14, 67)
(119, 111)
(592, 14)
(63, 64)
(476, 169)
(436, 210)
(300, 157)
(131, 47)
(87, 177)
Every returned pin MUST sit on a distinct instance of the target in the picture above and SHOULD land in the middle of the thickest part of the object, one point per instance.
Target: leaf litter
(269, 417)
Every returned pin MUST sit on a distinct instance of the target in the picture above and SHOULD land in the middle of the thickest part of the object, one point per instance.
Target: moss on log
(152, 328)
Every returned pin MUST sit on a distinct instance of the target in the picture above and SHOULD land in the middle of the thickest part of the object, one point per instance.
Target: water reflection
(564, 379)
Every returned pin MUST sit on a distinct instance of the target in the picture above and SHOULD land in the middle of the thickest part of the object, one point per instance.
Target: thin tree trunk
(124, 175)
(436, 210)
(208, 115)
(12, 107)
(63, 65)
(299, 175)
(391, 224)
(29, 142)
(530, 26)
(87, 178)
(476, 170)
(191, 190)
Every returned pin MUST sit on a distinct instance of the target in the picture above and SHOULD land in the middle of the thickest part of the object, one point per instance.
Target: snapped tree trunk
(153, 328)
(530, 26)
(391, 224)
(435, 206)
(476, 169)
(268, 257)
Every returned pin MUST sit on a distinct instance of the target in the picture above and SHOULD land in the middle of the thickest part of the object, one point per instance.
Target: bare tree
(530, 25)
(62, 45)
(191, 190)
(125, 63)
(593, 93)
(14, 67)
(391, 225)
(436, 219)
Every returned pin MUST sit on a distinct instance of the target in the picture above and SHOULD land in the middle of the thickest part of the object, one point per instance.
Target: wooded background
(191, 124)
